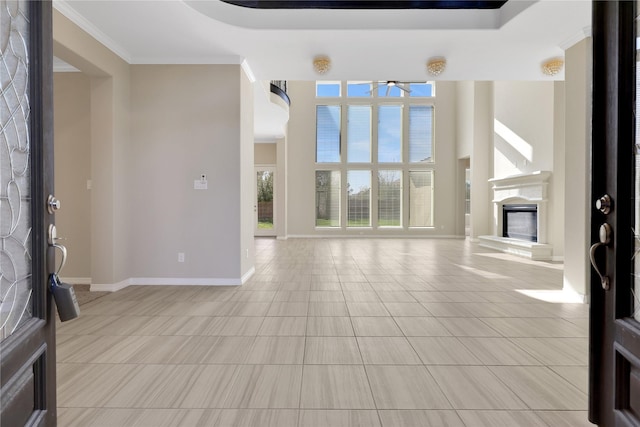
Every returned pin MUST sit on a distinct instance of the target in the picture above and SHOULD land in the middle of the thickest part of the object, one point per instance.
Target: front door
(614, 371)
(265, 201)
(27, 332)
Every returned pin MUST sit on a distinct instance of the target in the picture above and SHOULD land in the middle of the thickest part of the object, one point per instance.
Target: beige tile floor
(344, 332)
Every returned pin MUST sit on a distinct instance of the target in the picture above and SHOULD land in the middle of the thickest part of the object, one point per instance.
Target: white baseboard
(375, 236)
(282, 237)
(76, 280)
(172, 281)
(184, 281)
(247, 275)
(110, 287)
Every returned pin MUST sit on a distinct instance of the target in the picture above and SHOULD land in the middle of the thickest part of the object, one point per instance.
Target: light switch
(199, 184)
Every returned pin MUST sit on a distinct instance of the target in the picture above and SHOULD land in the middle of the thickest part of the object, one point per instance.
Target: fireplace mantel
(526, 188)
(530, 187)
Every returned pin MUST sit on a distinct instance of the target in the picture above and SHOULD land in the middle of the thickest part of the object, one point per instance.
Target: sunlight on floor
(553, 296)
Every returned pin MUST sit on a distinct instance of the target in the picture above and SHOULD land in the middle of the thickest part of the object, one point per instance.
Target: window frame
(374, 166)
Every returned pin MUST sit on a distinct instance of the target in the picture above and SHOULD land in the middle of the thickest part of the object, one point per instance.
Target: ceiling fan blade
(404, 86)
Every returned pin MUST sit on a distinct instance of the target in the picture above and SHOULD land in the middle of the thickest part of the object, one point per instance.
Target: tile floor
(335, 332)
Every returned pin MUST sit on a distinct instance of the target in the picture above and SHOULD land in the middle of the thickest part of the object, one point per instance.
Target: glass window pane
(390, 134)
(389, 198)
(388, 90)
(421, 89)
(358, 198)
(420, 199)
(327, 133)
(264, 192)
(361, 89)
(327, 198)
(359, 134)
(327, 89)
(420, 133)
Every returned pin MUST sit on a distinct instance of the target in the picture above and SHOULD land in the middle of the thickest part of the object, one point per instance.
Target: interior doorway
(265, 201)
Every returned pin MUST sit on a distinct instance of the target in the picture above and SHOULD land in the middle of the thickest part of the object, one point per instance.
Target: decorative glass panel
(328, 133)
(389, 198)
(390, 134)
(635, 289)
(359, 134)
(420, 199)
(15, 189)
(359, 198)
(327, 198)
(420, 133)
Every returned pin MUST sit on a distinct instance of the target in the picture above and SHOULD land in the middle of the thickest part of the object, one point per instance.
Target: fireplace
(521, 216)
(520, 222)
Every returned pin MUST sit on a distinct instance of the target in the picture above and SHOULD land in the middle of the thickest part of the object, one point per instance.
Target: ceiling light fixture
(552, 66)
(436, 65)
(321, 64)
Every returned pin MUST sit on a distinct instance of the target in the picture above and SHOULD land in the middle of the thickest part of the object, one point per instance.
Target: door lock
(53, 204)
(605, 239)
(603, 204)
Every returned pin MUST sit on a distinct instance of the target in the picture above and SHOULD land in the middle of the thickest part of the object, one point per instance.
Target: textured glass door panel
(15, 195)
(635, 289)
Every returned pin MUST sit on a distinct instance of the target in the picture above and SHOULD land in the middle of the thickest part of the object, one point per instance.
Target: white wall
(578, 61)
(301, 166)
(524, 127)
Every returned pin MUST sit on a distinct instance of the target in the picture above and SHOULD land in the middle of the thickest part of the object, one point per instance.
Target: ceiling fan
(390, 84)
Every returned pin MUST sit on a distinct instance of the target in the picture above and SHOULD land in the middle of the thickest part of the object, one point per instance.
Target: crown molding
(211, 60)
(65, 8)
(578, 37)
(248, 71)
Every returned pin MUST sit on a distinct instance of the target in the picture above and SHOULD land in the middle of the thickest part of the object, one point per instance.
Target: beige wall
(110, 251)
(154, 130)
(301, 166)
(72, 136)
(179, 131)
(266, 154)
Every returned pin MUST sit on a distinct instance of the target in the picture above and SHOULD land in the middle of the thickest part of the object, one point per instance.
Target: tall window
(420, 133)
(390, 198)
(420, 198)
(359, 134)
(327, 198)
(384, 177)
(389, 134)
(328, 133)
(358, 198)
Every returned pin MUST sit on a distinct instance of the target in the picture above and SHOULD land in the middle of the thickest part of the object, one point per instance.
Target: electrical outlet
(180, 256)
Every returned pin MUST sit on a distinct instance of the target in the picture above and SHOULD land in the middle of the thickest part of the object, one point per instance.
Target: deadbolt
(53, 204)
(603, 204)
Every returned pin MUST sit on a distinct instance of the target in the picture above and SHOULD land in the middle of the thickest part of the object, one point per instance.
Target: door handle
(52, 239)
(605, 239)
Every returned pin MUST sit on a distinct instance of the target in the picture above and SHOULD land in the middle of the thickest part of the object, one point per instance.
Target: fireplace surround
(528, 194)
